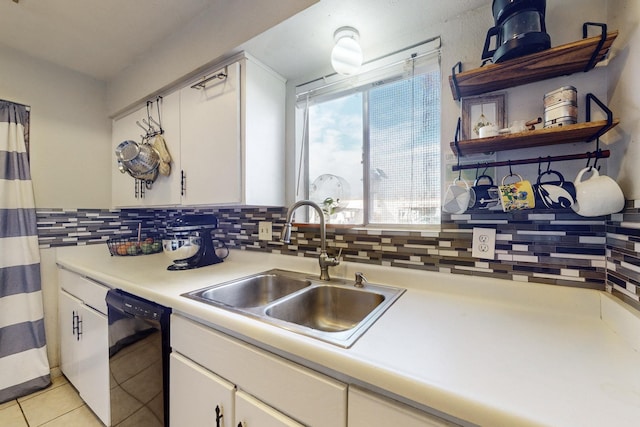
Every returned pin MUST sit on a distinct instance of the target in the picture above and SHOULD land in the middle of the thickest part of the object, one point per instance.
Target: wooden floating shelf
(557, 61)
(580, 132)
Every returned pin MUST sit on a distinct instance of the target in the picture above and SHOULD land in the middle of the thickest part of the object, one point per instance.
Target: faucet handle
(360, 280)
(333, 261)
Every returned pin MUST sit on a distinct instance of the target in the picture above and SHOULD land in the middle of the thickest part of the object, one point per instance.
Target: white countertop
(487, 351)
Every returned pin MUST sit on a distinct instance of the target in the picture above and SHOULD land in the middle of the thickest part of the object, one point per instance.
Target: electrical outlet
(265, 230)
(484, 243)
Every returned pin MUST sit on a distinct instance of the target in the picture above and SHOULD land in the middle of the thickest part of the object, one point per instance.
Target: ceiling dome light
(346, 56)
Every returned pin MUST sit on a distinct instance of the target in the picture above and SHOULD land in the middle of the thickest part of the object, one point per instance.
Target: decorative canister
(561, 107)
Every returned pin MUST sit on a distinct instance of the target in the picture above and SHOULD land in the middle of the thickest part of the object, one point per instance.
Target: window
(373, 148)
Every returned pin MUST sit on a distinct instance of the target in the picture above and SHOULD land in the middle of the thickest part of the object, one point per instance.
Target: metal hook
(548, 164)
(539, 166)
(595, 163)
(151, 128)
(159, 122)
(149, 104)
(510, 171)
(151, 119)
(597, 153)
(588, 161)
(146, 130)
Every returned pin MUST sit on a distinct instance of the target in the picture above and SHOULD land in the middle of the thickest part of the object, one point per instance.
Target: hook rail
(600, 154)
(149, 129)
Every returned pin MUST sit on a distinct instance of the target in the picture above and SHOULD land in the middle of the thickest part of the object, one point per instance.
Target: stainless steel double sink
(336, 311)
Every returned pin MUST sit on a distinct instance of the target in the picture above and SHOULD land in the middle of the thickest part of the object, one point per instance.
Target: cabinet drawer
(368, 409)
(300, 393)
(91, 293)
(252, 412)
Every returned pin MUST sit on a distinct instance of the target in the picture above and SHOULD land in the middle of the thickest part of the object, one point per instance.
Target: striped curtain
(24, 367)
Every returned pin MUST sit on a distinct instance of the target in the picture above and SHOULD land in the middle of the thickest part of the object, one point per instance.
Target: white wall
(70, 134)
(208, 39)
(624, 91)
(463, 40)
(70, 138)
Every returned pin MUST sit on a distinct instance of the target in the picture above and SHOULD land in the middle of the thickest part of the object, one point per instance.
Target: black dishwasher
(138, 360)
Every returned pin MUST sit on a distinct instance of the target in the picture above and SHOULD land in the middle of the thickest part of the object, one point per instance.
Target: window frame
(314, 88)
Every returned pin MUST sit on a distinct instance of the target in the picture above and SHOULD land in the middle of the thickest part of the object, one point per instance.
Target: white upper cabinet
(263, 135)
(226, 137)
(210, 140)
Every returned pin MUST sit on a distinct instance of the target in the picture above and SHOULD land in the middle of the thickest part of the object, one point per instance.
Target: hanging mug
(486, 194)
(457, 197)
(597, 195)
(559, 194)
(517, 195)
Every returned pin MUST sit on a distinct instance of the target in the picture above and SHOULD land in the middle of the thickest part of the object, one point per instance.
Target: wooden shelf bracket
(603, 38)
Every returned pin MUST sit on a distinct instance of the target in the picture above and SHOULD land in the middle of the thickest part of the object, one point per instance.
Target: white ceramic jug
(597, 195)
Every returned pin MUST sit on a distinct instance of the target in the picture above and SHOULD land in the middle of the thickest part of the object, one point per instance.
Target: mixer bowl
(181, 249)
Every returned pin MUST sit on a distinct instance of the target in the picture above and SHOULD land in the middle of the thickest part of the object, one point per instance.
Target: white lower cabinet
(271, 391)
(201, 398)
(84, 345)
(254, 388)
(368, 409)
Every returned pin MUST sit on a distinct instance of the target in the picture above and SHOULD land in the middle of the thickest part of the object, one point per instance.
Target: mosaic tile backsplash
(553, 247)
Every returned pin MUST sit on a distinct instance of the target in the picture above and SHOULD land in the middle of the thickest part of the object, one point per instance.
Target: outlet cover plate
(265, 230)
(484, 243)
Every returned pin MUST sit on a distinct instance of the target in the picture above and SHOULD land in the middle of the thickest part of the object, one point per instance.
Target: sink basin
(327, 308)
(336, 312)
(253, 291)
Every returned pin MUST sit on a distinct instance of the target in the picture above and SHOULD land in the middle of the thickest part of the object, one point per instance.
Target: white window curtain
(24, 367)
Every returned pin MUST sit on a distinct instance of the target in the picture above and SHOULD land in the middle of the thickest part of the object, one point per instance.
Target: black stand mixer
(189, 243)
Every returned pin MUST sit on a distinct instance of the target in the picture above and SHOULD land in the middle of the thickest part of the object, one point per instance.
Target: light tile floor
(56, 406)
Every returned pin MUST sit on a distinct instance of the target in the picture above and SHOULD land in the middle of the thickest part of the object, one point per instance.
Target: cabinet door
(93, 362)
(197, 396)
(84, 352)
(263, 127)
(166, 189)
(210, 141)
(250, 412)
(367, 409)
(68, 310)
